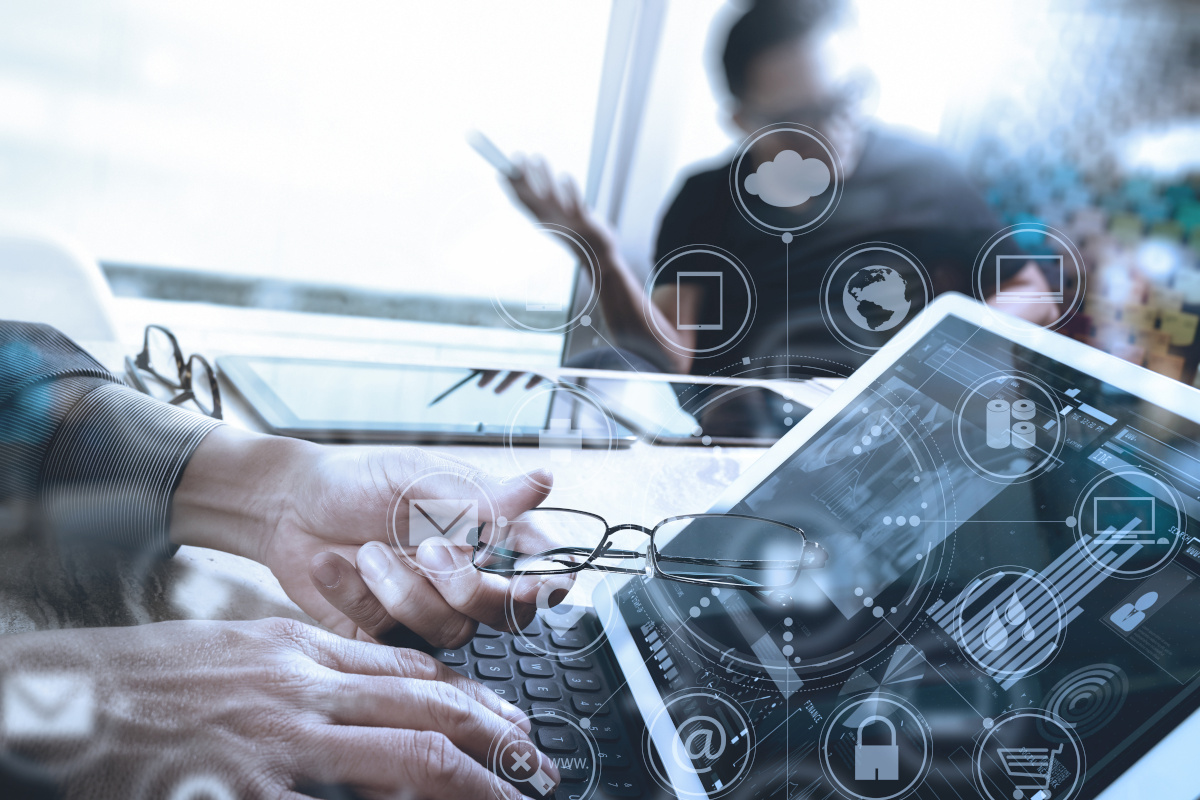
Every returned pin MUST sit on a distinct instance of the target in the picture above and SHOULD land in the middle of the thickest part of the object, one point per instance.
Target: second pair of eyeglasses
(722, 550)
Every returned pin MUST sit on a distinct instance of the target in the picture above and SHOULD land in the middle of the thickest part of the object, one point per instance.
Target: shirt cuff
(113, 467)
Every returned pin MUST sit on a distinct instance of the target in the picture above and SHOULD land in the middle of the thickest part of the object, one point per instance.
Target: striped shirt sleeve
(100, 461)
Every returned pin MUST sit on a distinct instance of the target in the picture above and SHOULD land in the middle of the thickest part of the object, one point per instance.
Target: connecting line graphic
(935, 669)
(616, 350)
(787, 310)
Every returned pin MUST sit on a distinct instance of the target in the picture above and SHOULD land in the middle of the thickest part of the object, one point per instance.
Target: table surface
(46, 588)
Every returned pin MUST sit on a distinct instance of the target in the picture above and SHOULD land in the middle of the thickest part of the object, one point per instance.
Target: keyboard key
(489, 648)
(619, 787)
(488, 632)
(605, 733)
(582, 682)
(506, 691)
(557, 740)
(569, 640)
(451, 658)
(612, 758)
(527, 649)
(492, 670)
(535, 667)
(575, 662)
(542, 714)
(542, 690)
(573, 770)
(589, 706)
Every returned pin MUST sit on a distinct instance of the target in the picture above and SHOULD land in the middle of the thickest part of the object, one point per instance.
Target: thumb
(517, 494)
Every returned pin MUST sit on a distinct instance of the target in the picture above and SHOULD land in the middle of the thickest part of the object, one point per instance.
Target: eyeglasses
(728, 550)
(184, 380)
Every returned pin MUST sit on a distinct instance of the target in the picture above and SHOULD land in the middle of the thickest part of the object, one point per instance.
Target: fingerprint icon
(1088, 698)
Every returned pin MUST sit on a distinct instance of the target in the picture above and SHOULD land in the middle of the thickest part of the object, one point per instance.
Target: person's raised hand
(557, 201)
(266, 709)
(306, 511)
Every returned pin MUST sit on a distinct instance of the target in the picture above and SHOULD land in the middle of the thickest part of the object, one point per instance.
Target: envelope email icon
(48, 706)
(451, 520)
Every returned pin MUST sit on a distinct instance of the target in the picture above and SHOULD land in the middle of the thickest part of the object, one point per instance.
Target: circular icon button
(519, 763)
(1029, 755)
(727, 301)
(876, 746)
(870, 291)
(438, 508)
(1050, 252)
(786, 179)
(710, 740)
(1007, 427)
(536, 312)
(1010, 622)
(1129, 523)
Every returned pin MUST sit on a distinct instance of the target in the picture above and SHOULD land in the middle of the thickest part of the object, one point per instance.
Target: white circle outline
(1039, 468)
(1176, 503)
(1076, 259)
(734, 708)
(827, 284)
(701, 352)
(589, 256)
(581, 394)
(803, 130)
(394, 507)
(903, 705)
(1020, 572)
(510, 616)
(1044, 716)
(496, 752)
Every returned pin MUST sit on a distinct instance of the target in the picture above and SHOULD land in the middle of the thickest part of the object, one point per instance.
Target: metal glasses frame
(185, 371)
(813, 556)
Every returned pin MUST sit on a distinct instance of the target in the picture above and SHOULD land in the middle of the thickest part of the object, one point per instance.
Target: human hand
(266, 708)
(557, 202)
(304, 509)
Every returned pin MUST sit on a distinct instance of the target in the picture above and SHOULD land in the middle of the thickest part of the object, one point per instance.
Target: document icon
(52, 705)
(452, 520)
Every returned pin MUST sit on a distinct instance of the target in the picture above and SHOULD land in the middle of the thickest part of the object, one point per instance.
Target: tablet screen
(361, 396)
(1009, 607)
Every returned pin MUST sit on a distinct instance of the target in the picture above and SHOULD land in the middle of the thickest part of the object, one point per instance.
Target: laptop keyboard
(580, 686)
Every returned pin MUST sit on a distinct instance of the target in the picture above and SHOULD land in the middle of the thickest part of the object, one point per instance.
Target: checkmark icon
(449, 519)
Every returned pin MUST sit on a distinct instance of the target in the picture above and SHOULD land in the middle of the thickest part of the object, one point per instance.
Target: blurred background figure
(786, 62)
(293, 177)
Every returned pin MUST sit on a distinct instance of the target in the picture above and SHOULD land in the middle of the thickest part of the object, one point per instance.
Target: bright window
(316, 141)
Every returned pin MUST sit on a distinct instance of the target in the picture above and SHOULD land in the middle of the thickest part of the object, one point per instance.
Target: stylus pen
(474, 374)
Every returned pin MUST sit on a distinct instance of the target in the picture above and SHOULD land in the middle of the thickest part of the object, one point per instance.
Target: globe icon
(876, 298)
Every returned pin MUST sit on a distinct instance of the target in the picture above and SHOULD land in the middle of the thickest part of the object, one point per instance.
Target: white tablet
(1011, 603)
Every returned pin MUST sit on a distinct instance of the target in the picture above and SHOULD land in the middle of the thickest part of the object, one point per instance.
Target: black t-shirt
(903, 193)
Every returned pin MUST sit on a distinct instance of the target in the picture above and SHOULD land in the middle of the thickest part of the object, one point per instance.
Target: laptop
(1008, 609)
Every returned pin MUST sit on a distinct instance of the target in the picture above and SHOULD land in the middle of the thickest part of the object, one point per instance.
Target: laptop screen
(1008, 609)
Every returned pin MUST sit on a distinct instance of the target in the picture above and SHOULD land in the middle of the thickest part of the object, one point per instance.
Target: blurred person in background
(786, 61)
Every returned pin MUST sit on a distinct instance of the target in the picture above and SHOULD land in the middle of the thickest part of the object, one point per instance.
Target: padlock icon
(876, 762)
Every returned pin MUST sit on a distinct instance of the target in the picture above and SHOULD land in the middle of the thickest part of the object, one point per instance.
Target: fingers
(425, 763)
(339, 582)
(507, 381)
(409, 597)
(364, 658)
(428, 706)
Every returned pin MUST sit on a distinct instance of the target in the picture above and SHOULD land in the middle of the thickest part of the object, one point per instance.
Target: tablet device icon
(711, 282)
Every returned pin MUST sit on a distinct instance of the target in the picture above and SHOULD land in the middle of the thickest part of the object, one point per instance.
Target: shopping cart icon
(1033, 765)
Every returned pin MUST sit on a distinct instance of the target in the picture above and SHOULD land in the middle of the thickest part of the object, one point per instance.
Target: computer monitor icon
(1051, 267)
(1123, 520)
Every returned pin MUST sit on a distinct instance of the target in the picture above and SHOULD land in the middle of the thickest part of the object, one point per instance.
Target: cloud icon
(789, 180)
